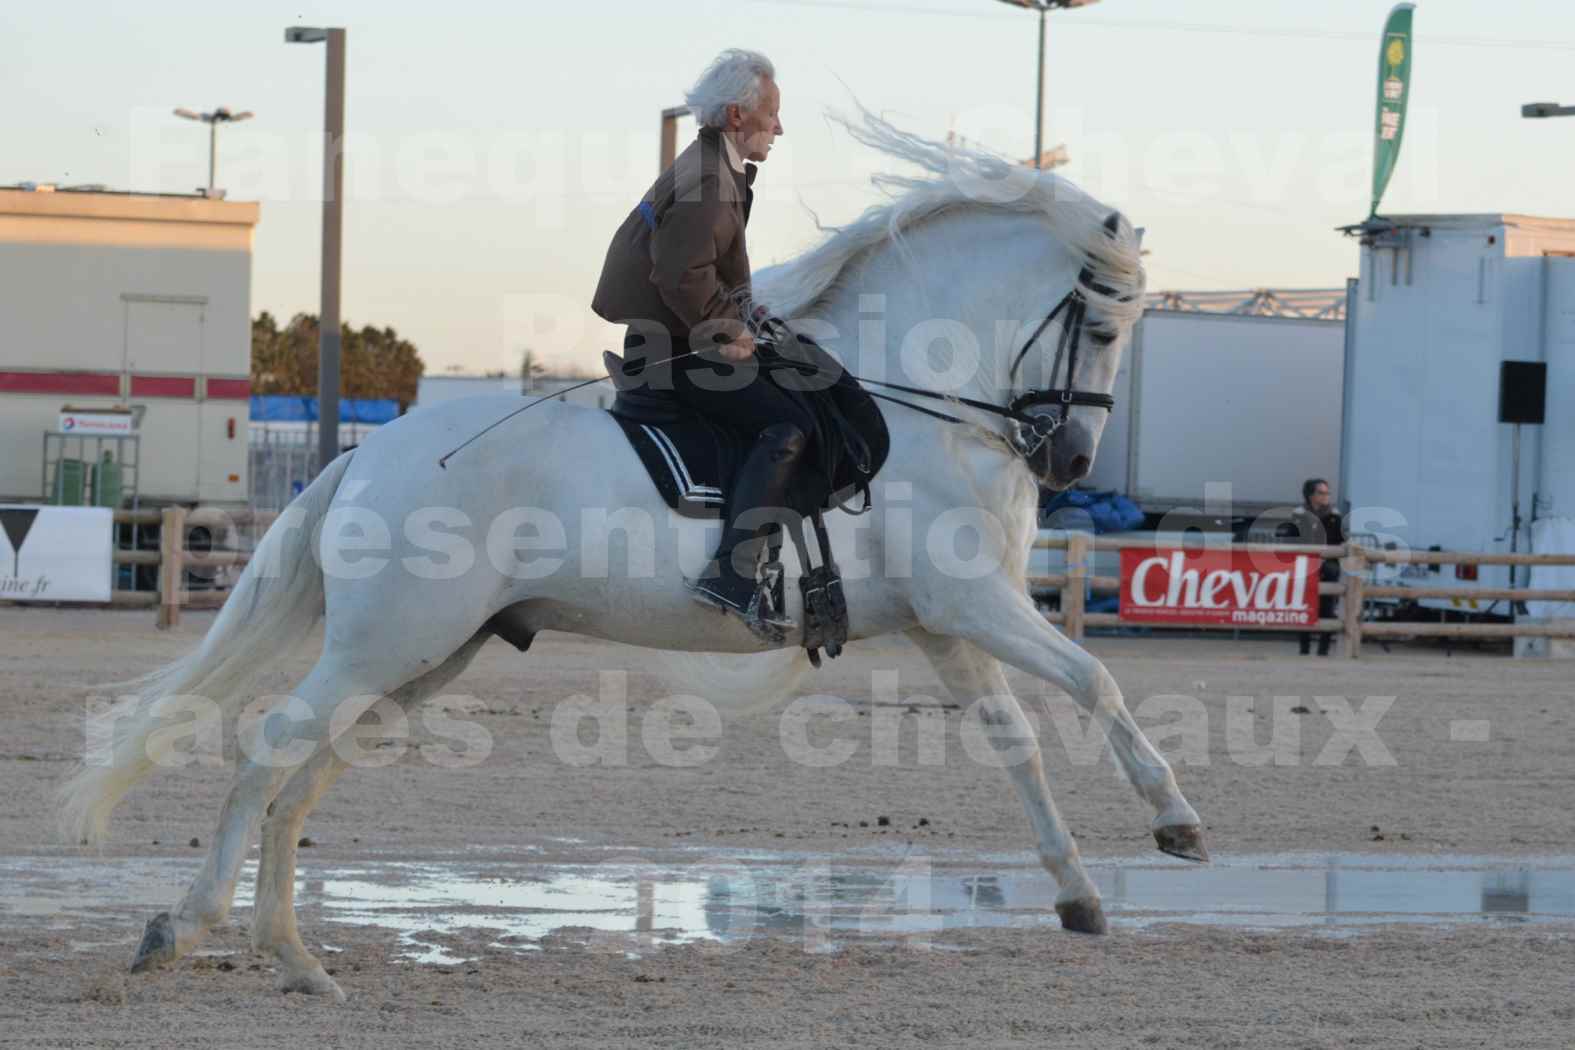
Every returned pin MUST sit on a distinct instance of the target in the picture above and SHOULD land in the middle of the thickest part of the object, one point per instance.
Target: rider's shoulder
(693, 178)
(697, 173)
(695, 183)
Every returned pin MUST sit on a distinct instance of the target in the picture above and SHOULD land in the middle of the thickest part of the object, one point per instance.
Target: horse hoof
(158, 944)
(1084, 916)
(1182, 840)
(315, 982)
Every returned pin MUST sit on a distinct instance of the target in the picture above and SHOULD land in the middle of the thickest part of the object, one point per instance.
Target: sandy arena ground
(1456, 786)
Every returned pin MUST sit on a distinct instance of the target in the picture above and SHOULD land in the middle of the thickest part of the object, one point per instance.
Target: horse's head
(962, 256)
(1063, 377)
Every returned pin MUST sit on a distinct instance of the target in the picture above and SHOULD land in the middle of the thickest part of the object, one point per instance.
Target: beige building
(134, 302)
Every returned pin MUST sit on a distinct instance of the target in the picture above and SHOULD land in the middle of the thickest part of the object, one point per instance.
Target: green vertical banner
(1394, 90)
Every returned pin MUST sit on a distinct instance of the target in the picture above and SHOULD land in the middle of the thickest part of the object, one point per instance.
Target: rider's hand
(740, 349)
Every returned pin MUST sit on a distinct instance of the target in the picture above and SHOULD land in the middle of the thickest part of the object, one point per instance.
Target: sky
(495, 147)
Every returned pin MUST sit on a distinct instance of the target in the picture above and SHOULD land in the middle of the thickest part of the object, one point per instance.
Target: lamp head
(1049, 5)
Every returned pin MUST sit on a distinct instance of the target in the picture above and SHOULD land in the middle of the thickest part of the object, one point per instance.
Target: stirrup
(763, 622)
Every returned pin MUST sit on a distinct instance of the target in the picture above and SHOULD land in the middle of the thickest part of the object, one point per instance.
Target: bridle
(1033, 428)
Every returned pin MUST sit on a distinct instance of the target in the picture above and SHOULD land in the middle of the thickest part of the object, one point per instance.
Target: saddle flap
(689, 460)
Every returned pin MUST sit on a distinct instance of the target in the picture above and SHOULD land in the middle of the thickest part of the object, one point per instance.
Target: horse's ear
(1098, 334)
(1112, 226)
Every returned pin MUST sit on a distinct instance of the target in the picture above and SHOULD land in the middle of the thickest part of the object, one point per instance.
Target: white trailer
(1442, 301)
(136, 304)
(1223, 413)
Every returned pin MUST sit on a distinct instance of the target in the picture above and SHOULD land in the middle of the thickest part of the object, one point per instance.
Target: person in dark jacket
(677, 274)
(1316, 522)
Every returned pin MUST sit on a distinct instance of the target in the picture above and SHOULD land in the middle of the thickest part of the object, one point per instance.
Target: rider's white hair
(734, 76)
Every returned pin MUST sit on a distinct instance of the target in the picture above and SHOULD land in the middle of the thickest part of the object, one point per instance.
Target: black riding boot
(760, 490)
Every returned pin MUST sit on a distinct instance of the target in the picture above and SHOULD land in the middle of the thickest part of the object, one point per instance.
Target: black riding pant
(743, 395)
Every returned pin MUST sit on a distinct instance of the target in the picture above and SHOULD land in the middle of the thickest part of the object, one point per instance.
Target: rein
(1036, 427)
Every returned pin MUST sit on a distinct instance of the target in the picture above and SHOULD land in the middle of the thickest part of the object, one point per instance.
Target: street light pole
(670, 118)
(1044, 7)
(213, 120)
(1039, 95)
(328, 324)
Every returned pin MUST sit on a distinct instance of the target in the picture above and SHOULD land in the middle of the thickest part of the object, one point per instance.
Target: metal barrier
(279, 467)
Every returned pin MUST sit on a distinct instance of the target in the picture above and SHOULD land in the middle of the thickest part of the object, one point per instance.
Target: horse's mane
(962, 178)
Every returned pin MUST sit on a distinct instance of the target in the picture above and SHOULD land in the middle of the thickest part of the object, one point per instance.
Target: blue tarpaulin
(288, 408)
(1099, 512)
(1107, 511)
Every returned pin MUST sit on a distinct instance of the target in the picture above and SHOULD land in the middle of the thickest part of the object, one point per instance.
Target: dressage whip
(1040, 427)
(443, 461)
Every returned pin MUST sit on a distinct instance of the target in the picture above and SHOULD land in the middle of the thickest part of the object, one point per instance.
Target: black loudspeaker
(1522, 391)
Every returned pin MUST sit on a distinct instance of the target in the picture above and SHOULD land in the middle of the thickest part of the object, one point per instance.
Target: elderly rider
(677, 274)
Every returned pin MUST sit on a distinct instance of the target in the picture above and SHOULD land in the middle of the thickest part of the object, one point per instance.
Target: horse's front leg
(1003, 622)
(971, 675)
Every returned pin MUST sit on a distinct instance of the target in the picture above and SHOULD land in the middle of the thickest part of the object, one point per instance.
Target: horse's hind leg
(971, 675)
(273, 924)
(273, 927)
(336, 693)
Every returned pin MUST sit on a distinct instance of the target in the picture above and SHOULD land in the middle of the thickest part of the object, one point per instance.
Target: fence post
(172, 565)
(1072, 595)
(1355, 566)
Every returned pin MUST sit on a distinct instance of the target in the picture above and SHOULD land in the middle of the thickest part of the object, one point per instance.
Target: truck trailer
(1459, 379)
(1223, 414)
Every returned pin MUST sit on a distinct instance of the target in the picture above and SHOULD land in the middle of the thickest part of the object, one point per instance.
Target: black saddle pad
(692, 460)
(689, 459)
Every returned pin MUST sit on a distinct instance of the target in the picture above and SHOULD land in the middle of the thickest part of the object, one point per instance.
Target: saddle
(692, 461)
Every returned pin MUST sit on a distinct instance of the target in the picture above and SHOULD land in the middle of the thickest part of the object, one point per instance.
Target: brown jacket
(680, 254)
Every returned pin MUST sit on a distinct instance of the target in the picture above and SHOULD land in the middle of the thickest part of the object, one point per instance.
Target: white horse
(969, 259)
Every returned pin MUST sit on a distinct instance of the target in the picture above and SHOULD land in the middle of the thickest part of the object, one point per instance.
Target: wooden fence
(1354, 589)
(173, 559)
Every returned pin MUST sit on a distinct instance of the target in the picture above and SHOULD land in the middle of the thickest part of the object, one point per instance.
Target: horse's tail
(275, 603)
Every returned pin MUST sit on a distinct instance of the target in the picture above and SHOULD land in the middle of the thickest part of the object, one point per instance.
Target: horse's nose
(1071, 453)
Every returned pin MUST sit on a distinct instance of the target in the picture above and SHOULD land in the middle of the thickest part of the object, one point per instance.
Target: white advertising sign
(55, 554)
(95, 423)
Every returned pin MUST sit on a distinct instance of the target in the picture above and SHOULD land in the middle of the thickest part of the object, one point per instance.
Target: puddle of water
(594, 905)
(821, 901)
